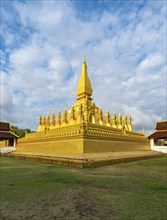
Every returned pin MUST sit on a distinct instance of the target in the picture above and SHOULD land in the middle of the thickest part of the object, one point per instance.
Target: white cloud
(152, 63)
(141, 120)
(6, 97)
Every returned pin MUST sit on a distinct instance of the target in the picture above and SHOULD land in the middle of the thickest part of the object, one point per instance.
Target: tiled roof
(4, 126)
(161, 125)
(6, 135)
(158, 135)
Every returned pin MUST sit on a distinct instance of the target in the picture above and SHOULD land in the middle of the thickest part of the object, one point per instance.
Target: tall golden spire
(84, 85)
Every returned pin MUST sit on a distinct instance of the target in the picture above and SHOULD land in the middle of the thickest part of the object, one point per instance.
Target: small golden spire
(53, 118)
(40, 119)
(143, 130)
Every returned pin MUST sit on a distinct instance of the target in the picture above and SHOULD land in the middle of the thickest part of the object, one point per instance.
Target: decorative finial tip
(84, 59)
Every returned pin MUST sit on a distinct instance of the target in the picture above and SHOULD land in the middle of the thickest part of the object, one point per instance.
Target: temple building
(84, 128)
(158, 139)
(7, 137)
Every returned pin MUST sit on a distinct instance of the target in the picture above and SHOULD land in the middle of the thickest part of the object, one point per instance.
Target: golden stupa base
(83, 138)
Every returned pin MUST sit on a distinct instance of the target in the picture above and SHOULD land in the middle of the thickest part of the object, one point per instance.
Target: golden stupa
(83, 128)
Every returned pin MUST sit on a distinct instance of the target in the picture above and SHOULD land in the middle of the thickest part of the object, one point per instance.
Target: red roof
(4, 126)
(158, 135)
(5, 131)
(161, 125)
(161, 130)
(7, 135)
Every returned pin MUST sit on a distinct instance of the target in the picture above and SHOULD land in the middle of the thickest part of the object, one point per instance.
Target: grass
(132, 191)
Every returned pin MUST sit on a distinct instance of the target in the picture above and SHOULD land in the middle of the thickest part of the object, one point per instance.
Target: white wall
(162, 149)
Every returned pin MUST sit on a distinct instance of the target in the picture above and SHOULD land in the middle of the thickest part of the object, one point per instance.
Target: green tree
(20, 131)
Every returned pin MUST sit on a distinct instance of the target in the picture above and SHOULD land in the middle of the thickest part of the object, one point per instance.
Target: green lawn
(136, 190)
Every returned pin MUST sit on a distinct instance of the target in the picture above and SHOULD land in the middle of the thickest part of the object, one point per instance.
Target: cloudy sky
(42, 47)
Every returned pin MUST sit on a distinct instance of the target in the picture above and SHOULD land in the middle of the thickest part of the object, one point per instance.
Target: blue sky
(43, 44)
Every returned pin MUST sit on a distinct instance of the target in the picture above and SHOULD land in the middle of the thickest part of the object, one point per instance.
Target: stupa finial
(84, 84)
(84, 59)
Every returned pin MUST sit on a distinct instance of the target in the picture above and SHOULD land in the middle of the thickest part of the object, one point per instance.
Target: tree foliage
(20, 131)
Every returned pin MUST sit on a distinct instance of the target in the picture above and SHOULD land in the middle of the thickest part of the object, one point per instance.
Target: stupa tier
(77, 115)
(84, 128)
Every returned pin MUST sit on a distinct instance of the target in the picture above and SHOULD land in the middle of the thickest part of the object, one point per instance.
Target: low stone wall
(3, 143)
(115, 145)
(85, 162)
(5, 150)
(51, 146)
(162, 149)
